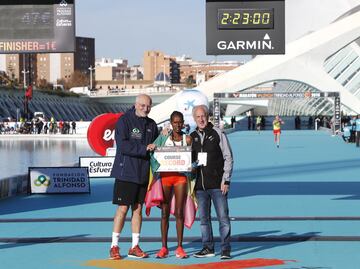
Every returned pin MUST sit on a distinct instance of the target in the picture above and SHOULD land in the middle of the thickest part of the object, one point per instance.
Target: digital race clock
(245, 27)
(37, 26)
(245, 18)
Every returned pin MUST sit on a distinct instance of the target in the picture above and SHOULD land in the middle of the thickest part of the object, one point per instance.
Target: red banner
(101, 132)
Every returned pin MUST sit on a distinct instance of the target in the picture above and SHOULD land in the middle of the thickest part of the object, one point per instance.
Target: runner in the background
(277, 129)
(258, 123)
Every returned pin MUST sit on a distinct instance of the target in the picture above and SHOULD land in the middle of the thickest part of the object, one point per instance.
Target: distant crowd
(38, 126)
(351, 130)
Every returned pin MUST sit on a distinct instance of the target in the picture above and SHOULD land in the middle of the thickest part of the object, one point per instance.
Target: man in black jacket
(212, 151)
(134, 136)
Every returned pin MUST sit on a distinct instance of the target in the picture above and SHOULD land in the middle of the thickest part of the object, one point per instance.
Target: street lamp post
(25, 72)
(17, 118)
(164, 73)
(91, 76)
(124, 77)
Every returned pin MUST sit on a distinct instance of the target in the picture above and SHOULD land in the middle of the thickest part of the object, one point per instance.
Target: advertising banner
(101, 132)
(37, 26)
(252, 27)
(97, 166)
(173, 159)
(59, 180)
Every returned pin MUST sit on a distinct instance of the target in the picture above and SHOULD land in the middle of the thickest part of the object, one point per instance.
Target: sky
(127, 28)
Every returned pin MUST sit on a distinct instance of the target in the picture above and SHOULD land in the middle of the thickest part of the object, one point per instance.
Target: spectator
(317, 123)
(346, 133)
(233, 120)
(297, 123)
(353, 130)
(73, 127)
(46, 127)
(357, 129)
(249, 122)
(61, 126)
(310, 122)
(263, 122)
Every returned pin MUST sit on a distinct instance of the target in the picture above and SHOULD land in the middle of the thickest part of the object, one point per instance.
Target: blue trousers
(220, 202)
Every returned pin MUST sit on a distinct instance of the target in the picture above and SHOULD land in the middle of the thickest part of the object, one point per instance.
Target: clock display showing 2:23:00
(245, 18)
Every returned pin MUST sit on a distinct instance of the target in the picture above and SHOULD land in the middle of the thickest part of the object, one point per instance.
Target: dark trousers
(352, 136)
(357, 138)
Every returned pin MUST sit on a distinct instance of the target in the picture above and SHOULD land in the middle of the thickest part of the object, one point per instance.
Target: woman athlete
(277, 122)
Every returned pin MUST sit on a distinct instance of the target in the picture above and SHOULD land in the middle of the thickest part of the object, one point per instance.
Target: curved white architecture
(306, 60)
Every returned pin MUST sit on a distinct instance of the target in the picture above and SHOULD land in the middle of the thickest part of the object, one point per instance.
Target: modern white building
(323, 55)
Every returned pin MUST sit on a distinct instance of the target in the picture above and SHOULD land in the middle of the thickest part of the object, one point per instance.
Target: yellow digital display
(245, 18)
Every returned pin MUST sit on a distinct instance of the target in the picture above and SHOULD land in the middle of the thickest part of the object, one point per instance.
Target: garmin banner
(59, 180)
(238, 27)
(97, 166)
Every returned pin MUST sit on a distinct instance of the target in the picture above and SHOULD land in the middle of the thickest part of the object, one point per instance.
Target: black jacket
(219, 157)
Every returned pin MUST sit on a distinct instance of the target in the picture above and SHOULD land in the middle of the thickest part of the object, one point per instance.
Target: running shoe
(225, 255)
(115, 253)
(180, 253)
(163, 253)
(204, 253)
(136, 252)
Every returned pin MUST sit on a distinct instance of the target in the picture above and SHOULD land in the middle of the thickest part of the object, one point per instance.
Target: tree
(78, 79)
(13, 79)
(4, 79)
(44, 84)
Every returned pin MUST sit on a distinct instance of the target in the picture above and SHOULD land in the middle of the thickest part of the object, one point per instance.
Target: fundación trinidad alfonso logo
(101, 132)
(42, 180)
(63, 3)
(135, 131)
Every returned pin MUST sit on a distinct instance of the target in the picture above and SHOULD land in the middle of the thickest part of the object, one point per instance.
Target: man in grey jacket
(212, 151)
